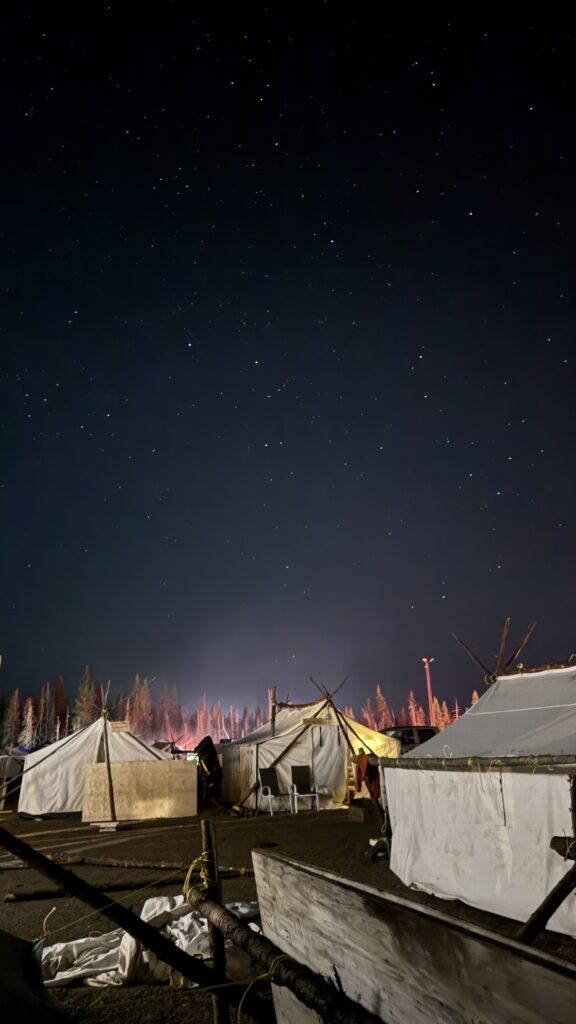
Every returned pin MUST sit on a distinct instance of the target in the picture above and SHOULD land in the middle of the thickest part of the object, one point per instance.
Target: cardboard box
(361, 810)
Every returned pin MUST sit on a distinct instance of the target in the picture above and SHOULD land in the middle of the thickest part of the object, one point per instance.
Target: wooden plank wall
(404, 962)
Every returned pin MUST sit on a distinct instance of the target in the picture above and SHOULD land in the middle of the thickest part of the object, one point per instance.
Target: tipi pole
(299, 736)
(273, 707)
(343, 725)
(502, 647)
(520, 647)
(109, 769)
(344, 728)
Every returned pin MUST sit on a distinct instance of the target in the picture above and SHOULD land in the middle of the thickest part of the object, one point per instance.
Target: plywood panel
(142, 789)
(406, 963)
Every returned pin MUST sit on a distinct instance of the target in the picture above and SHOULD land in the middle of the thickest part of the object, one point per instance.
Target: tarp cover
(116, 958)
(484, 836)
(55, 785)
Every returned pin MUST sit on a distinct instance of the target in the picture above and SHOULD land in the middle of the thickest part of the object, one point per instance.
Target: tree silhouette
(384, 717)
(12, 721)
(27, 737)
(84, 710)
(141, 713)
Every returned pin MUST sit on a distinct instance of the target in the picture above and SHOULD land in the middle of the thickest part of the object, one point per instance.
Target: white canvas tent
(316, 735)
(482, 835)
(53, 780)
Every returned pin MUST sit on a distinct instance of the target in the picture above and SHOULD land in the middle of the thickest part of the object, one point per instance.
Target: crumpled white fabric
(115, 958)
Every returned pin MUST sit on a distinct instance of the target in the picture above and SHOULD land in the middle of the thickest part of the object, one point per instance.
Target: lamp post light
(431, 716)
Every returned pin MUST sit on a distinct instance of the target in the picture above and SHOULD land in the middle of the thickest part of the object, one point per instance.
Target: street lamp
(431, 715)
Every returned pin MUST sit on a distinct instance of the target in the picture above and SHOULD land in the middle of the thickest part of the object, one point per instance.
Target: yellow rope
(187, 887)
(198, 865)
(267, 976)
(568, 855)
(45, 932)
(97, 913)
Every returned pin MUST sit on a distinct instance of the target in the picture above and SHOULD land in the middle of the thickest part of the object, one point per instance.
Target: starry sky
(286, 346)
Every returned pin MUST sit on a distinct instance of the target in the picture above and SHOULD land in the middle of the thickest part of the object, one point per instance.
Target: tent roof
(121, 742)
(291, 719)
(528, 713)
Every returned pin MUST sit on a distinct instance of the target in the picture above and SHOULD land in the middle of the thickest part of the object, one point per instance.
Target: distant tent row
(481, 833)
(317, 735)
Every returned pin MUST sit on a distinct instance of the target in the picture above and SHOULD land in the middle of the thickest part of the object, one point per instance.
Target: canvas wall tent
(482, 834)
(316, 735)
(53, 780)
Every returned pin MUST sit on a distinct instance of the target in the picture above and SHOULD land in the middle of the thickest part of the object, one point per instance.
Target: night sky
(286, 346)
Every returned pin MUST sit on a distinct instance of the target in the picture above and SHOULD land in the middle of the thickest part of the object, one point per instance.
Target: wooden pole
(520, 647)
(502, 647)
(106, 886)
(431, 715)
(215, 937)
(343, 726)
(147, 865)
(333, 1006)
(190, 967)
(496, 764)
(109, 769)
(537, 921)
(273, 707)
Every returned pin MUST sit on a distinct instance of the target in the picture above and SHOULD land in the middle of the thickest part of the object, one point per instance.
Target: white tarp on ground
(55, 783)
(323, 744)
(116, 958)
(484, 837)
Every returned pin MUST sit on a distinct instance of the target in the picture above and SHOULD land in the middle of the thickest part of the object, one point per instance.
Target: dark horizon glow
(286, 349)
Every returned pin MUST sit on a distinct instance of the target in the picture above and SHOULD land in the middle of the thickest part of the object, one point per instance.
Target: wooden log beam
(537, 921)
(565, 846)
(29, 895)
(332, 1005)
(190, 967)
(450, 764)
(224, 873)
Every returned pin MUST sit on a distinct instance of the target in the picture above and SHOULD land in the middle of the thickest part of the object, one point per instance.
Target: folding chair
(303, 787)
(269, 788)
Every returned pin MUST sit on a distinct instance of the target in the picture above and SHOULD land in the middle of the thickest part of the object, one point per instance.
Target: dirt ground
(328, 840)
